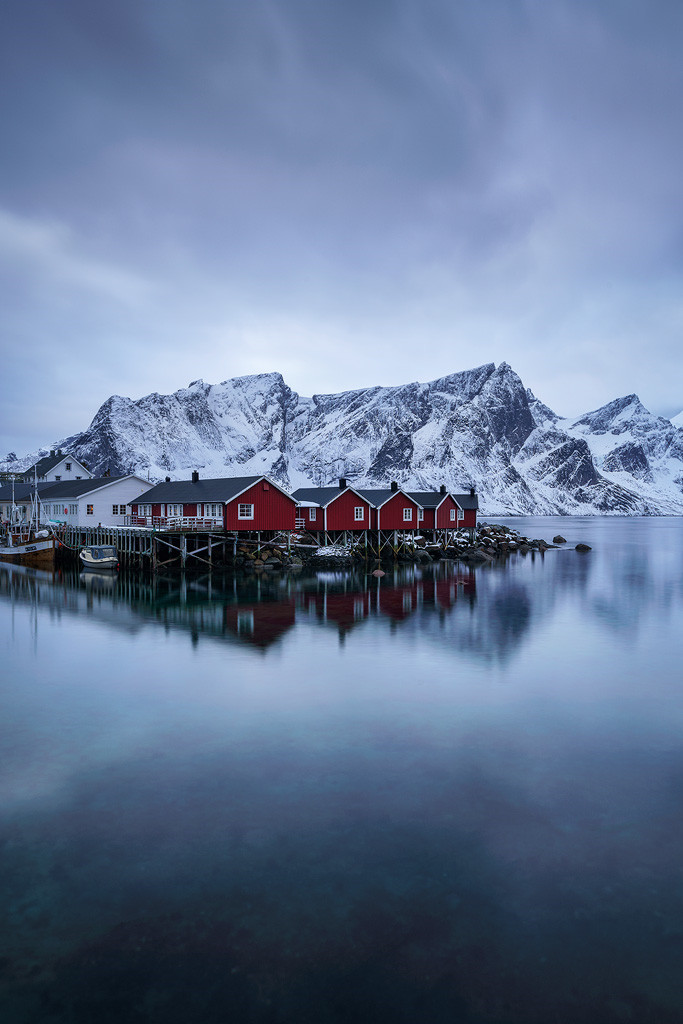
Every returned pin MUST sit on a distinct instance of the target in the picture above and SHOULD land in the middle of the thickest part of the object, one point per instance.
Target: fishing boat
(99, 557)
(23, 542)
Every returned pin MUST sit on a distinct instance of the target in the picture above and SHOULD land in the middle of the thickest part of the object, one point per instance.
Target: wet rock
(583, 547)
(559, 539)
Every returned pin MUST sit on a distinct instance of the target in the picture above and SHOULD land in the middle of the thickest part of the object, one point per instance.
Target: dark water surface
(447, 796)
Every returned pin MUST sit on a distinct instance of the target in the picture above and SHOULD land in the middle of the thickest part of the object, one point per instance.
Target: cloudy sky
(349, 192)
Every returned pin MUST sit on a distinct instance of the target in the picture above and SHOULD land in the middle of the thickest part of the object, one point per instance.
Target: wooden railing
(175, 522)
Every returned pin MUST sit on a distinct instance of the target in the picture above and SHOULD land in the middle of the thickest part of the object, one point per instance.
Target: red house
(333, 508)
(393, 509)
(246, 503)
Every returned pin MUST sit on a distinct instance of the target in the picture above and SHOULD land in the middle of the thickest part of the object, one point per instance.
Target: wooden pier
(155, 550)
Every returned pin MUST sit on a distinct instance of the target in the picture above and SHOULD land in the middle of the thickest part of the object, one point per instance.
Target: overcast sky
(353, 193)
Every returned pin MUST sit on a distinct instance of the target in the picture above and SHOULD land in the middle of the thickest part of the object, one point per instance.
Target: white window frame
(68, 467)
(461, 514)
(90, 510)
(312, 515)
(452, 515)
(359, 513)
(407, 515)
(420, 515)
(245, 510)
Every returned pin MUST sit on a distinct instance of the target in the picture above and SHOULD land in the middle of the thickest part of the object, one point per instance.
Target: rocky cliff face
(479, 427)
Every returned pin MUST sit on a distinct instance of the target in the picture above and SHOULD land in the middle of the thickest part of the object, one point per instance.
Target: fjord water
(448, 795)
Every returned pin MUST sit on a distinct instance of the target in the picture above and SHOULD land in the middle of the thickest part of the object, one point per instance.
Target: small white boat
(99, 557)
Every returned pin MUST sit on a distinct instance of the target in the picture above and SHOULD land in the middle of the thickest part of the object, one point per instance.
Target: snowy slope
(477, 427)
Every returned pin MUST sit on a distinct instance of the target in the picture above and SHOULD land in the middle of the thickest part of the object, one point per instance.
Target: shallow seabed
(445, 796)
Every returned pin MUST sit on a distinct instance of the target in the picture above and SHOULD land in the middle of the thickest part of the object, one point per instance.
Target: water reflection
(447, 795)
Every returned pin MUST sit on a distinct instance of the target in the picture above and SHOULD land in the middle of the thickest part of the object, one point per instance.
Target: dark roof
(322, 495)
(428, 499)
(380, 497)
(219, 489)
(75, 488)
(22, 492)
(466, 500)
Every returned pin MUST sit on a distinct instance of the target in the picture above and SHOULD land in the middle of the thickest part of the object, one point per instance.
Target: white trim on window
(407, 515)
(461, 513)
(245, 510)
(359, 514)
(420, 515)
(452, 515)
(312, 515)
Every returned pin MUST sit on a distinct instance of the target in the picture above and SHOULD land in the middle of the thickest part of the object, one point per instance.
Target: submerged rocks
(583, 547)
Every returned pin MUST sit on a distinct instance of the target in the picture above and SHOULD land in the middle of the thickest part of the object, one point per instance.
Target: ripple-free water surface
(444, 796)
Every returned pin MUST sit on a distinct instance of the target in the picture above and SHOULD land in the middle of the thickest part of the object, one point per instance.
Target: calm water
(447, 796)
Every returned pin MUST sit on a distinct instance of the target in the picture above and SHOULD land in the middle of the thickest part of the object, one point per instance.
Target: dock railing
(174, 523)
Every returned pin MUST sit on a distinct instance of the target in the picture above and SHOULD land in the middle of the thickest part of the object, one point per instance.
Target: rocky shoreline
(491, 543)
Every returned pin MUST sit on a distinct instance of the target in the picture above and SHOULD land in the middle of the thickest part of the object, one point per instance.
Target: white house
(57, 466)
(100, 501)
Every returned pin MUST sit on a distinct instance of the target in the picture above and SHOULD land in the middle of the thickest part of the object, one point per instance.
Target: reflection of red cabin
(399, 603)
(345, 610)
(260, 624)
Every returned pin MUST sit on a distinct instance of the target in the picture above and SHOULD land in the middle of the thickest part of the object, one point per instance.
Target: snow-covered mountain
(479, 427)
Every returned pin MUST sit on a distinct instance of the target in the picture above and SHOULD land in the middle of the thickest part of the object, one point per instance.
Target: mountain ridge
(478, 427)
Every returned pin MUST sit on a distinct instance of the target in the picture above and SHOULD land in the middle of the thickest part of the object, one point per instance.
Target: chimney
(342, 483)
(442, 489)
(394, 485)
(472, 492)
(52, 452)
(167, 480)
(195, 476)
(59, 451)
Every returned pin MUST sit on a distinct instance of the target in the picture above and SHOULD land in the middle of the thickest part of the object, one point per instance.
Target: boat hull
(100, 565)
(40, 554)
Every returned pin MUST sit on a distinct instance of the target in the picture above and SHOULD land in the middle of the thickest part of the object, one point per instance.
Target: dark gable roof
(323, 495)
(22, 492)
(44, 465)
(466, 500)
(188, 491)
(75, 488)
(381, 497)
(428, 499)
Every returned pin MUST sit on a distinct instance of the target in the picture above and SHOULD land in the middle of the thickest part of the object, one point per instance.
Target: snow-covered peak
(678, 420)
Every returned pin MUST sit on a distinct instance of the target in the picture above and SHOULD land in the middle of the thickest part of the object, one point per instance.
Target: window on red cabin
(245, 511)
(420, 515)
(359, 513)
(407, 515)
(461, 513)
(312, 514)
(452, 514)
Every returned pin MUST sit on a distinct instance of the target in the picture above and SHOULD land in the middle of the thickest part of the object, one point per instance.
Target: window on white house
(73, 510)
(68, 467)
(407, 515)
(359, 513)
(452, 514)
(89, 510)
(312, 514)
(58, 478)
(245, 511)
(79, 477)
(115, 510)
(461, 513)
